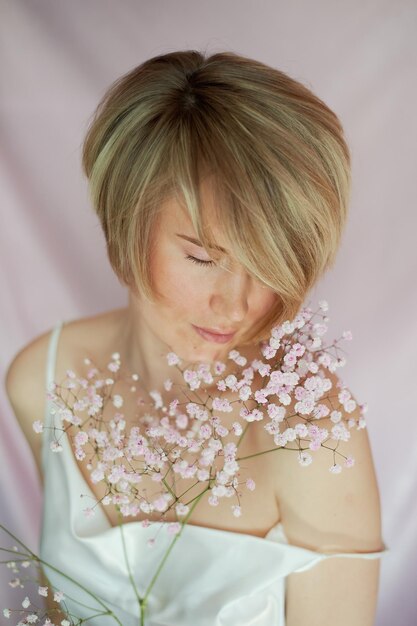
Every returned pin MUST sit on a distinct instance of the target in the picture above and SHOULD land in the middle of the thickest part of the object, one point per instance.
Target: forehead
(174, 217)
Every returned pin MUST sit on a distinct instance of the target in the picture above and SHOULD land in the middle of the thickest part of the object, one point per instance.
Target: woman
(222, 186)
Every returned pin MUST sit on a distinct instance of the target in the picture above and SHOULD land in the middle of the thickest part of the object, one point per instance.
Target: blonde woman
(222, 187)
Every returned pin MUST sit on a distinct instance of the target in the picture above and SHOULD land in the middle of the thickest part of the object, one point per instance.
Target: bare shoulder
(25, 380)
(328, 511)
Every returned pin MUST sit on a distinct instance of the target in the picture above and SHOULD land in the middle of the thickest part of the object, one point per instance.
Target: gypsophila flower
(182, 509)
(173, 359)
(26, 603)
(37, 426)
(222, 404)
(269, 352)
(235, 356)
(58, 596)
(43, 591)
(335, 468)
(6, 612)
(168, 384)
(117, 401)
(55, 446)
(305, 458)
(174, 528)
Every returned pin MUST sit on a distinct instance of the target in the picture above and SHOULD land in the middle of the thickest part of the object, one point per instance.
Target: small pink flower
(192, 379)
(55, 446)
(58, 596)
(235, 356)
(213, 500)
(335, 468)
(173, 359)
(81, 438)
(304, 458)
(260, 396)
(181, 509)
(174, 528)
(219, 367)
(269, 352)
(168, 384)
(222, 404)
(117, 401)
(237, 429)
(250, 484)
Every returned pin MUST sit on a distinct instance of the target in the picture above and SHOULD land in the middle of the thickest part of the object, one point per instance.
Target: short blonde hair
(277, 153)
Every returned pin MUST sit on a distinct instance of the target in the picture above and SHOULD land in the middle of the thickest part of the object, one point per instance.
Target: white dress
(211, 578)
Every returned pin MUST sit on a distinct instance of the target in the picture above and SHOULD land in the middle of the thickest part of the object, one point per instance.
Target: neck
(143, 352)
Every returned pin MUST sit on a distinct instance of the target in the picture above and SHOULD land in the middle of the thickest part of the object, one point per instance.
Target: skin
(221, 295)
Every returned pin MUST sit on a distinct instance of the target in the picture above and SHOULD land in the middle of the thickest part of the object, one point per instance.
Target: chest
(258, 507)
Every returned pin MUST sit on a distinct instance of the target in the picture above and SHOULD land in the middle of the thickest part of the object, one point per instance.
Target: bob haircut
(276, 152)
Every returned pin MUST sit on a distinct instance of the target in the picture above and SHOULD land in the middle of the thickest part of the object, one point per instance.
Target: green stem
(139, 599)
(177, 536)
(242, 435)
(249, 456)
(39, 560)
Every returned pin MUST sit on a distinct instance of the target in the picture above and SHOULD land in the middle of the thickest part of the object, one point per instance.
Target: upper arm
(331, 512)
(25, 386)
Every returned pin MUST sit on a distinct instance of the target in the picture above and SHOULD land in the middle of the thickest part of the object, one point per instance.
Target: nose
(229, 301)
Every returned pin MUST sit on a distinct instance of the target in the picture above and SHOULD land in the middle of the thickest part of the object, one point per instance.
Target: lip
(214, 336)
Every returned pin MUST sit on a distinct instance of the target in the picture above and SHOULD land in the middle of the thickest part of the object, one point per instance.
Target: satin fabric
(211, 577)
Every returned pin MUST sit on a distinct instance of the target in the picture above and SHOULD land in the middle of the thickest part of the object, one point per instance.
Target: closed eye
(199, 261)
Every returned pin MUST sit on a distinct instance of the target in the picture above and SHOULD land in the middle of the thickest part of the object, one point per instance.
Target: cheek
(181, 292)
(263, 301)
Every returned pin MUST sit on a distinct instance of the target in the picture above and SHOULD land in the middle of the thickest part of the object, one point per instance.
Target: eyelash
(199, 261)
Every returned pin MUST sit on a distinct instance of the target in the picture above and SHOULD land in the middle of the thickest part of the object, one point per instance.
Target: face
(196, 291)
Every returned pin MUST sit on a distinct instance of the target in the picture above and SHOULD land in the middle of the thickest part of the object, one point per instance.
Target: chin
(202, 354)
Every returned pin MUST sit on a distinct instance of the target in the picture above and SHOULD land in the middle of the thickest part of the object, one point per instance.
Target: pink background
(56, 60)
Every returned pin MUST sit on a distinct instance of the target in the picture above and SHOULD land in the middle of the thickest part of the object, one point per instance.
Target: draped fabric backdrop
(56, 60)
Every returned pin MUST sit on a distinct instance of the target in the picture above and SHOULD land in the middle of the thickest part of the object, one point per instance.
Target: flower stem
(177, 536)
(39, 560)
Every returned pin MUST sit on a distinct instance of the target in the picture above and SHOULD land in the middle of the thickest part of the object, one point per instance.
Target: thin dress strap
(49, 378)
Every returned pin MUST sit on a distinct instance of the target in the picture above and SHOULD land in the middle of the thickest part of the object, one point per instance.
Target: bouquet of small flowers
(188, 439)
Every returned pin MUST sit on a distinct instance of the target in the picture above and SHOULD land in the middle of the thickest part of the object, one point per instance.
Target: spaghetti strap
(49, 378)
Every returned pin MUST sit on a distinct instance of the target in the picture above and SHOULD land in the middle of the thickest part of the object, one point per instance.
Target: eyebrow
(198, 243)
